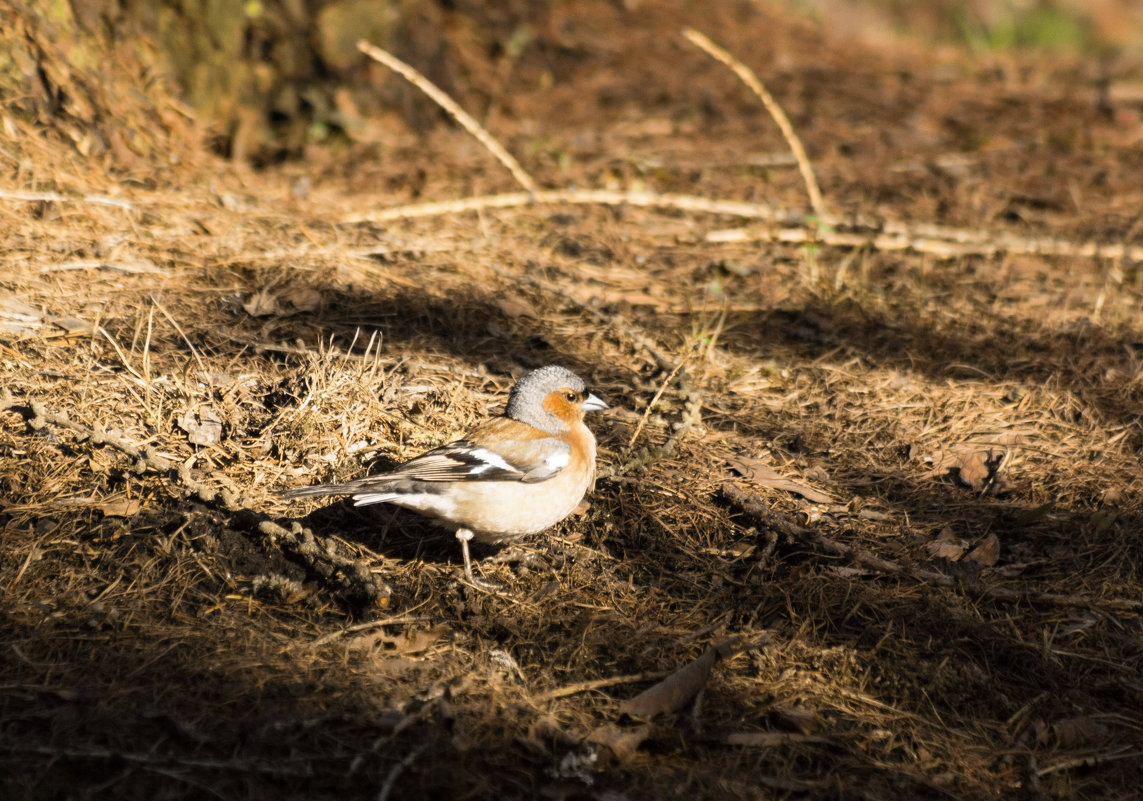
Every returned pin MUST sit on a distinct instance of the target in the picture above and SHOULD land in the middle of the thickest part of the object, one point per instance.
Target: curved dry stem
(448, 104)
(751, 80)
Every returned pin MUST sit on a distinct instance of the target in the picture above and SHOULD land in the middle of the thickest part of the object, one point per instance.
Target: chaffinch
(514, 475)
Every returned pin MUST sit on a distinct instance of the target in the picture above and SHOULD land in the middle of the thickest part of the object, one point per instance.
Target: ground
(869, 508)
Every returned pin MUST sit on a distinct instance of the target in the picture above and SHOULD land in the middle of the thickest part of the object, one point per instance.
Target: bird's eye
(571, 397)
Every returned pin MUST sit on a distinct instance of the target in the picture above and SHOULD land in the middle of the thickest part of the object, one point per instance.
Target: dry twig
(751, 80)
(938, 241)
(598, 684)
(448, 104)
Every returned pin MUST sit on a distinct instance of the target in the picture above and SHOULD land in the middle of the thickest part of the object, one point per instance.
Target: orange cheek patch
(556, 404)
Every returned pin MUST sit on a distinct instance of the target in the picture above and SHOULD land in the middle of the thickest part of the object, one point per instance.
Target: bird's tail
(319, 490)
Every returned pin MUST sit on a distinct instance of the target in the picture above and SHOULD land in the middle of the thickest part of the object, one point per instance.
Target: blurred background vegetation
(261, 80)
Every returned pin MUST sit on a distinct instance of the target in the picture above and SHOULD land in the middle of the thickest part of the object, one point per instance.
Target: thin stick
(751, 80)
(449, 105)
(178, 328)
(55, 197)
(373, 624)
(603, 197)
(398, 769)
(938, 241)
(123, 356)
(662, 388)
(596, 684)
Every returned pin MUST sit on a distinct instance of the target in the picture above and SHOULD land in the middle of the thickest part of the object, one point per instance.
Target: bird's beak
(594, 404)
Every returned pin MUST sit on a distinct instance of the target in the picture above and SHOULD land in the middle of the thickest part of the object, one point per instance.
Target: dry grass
(157, 644)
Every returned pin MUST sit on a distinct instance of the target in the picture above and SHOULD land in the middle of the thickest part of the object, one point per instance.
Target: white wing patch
(491, 460)
(425, 502)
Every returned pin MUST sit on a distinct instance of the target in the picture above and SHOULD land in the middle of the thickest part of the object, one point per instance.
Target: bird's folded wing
(511, 460)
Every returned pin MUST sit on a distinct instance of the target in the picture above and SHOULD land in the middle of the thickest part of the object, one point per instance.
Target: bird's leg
(464, 535)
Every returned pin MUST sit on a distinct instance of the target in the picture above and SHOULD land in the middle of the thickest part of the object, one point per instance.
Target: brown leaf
(1078, 731)
(947, 546)
(763, 475)
(987, 553)
(120, 507)
(203, 427)
(795, 718)
(513, 306)
(623, 743)
(674, 692)
(262, 303)
(301, 298)
(966, 467)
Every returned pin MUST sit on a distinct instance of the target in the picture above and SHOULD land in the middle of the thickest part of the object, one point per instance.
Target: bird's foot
(483, 584)
(528, 558)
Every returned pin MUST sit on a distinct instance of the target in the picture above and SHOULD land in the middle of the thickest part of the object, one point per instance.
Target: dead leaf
(623, 743)
(674, 692)
(262, 303)
(677, 690)
(987, 553)
(760, 473)
(947, 546)
(795, 718)
(971, 467)
(120, 507)
(1078, 731)
(203, 426)
(300, 298)
(513, 306)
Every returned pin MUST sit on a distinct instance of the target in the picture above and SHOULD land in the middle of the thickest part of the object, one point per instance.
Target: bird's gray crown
(526, 401)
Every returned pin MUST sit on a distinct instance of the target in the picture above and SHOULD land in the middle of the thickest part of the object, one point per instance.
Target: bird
(511, 476)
